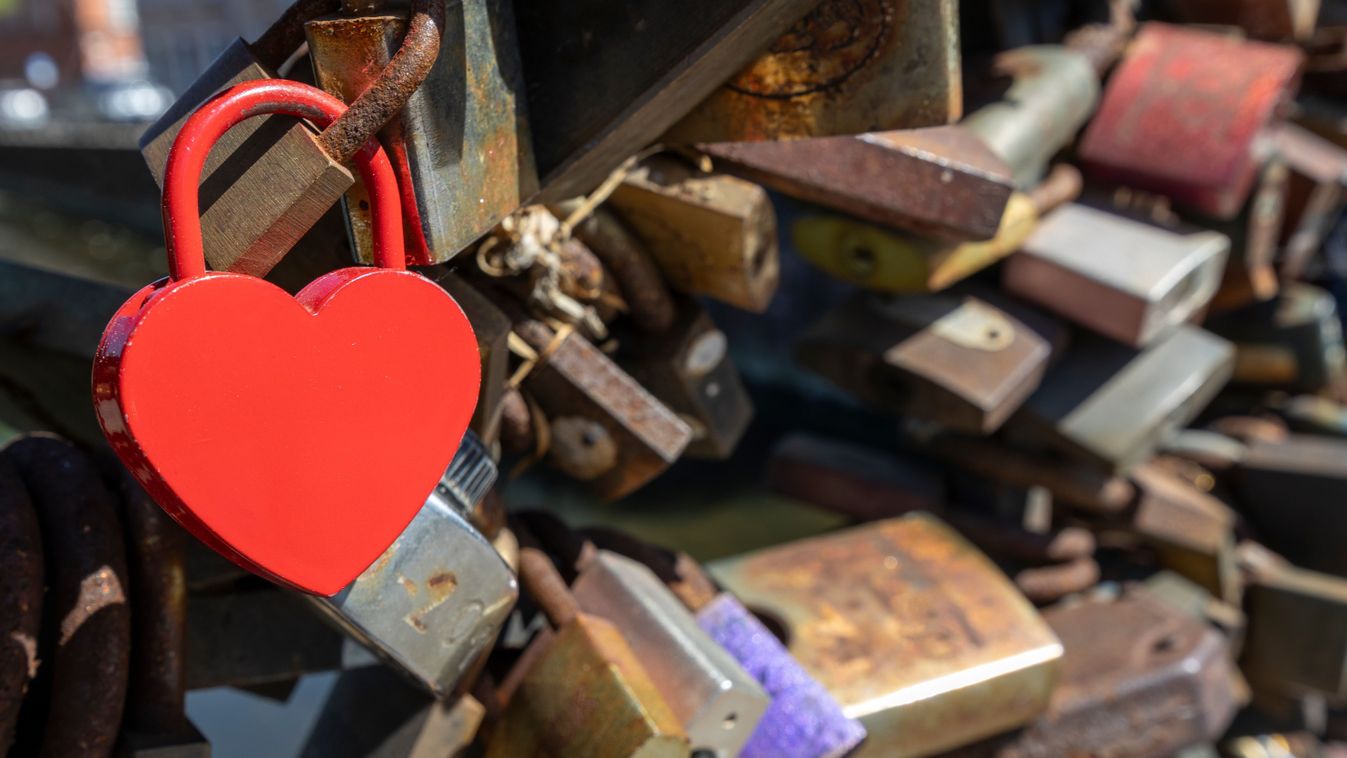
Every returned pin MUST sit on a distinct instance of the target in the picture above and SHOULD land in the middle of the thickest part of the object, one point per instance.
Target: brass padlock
(1138, 679)
(1053, 93)
(1109, 406)
(847, 67)
(954, 187)
(710, 234)
(689, 368)
(802, 718)
(579, 689)
(602, 86)
(1183, 114)
(953, 359)
(1292, 343)
(932, 631)
(894, 261)
(717, 702)
(460, 144)
(1127, 280)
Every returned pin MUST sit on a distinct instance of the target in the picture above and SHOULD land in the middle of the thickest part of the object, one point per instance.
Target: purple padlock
(803, 719)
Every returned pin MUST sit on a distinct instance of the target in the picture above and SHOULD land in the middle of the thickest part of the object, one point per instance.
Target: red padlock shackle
(187, 158)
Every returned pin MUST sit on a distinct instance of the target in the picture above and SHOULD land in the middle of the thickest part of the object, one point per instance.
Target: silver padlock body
(1041, 112)
(1110, 406)
(718, 703)
(1125, 279)
(437, 598)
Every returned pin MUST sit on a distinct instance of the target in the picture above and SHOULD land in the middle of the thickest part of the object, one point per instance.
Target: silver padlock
(436, 599)
(718, 703)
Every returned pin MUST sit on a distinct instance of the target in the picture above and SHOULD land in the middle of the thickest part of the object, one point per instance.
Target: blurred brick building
(182, 37)
(167, 41)
(86, 40)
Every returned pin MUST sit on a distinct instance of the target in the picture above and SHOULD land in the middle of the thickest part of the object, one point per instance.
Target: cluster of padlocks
(1043, 338)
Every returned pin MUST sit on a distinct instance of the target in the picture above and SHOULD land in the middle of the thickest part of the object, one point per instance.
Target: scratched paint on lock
(1181, 114)
(908, 626)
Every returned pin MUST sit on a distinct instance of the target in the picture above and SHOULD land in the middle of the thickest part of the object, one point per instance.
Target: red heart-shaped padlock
(298, 436)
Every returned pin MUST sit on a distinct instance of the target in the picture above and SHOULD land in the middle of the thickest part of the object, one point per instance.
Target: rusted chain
(159, 614)
(377, 105)
(20, 598)
(83, 539)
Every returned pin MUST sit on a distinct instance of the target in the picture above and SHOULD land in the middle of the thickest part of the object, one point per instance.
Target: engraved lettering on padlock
(849, 66)
(438, 597)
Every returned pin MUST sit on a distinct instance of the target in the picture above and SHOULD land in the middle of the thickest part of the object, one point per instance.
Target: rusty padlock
(579, 689)
(1138, 679)
(846, 68)
(272, 180)
(604, 427)
(1183, 114)
(710, 234)
(1192, 532)
(953, 359)
(689, 368)
(717, 702)
(954, 187)
(961, 636)
(602, 85)
(460, 144)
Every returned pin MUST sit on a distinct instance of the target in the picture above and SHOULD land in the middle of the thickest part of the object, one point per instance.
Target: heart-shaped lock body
(297, 436)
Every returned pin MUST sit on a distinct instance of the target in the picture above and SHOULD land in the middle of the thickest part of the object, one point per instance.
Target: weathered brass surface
(847, 67)
(912, 629)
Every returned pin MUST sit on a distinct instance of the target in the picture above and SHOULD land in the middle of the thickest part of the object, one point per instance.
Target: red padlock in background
(297, 436)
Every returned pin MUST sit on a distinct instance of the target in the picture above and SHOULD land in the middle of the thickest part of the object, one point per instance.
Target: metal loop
(187, 158)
